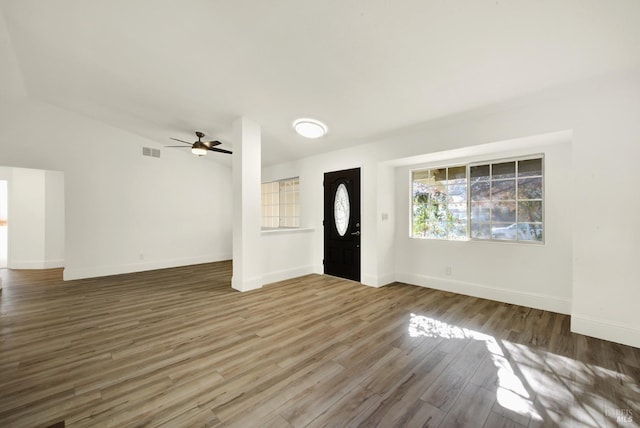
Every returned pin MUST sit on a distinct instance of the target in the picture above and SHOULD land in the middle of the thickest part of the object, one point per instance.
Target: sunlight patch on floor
(568, 387)
(562, 389)
(511, 394)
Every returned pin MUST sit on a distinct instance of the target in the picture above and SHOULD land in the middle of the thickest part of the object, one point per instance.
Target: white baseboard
(35, 264)
(386, 279)
(247, 284)
(377, 281)
(522, 298)
(369, 280)
(71, 273)
(607, 330)
(285, 274)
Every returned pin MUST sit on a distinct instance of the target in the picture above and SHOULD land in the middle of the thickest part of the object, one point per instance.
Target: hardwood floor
(179, 347)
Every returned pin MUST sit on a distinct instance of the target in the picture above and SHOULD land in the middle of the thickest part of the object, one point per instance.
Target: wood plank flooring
(178, 347)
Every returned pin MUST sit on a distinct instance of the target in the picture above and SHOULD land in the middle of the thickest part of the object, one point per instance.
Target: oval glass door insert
(341, 209)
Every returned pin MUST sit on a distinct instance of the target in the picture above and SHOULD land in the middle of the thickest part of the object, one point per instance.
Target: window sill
(280, 231)
(486, 241)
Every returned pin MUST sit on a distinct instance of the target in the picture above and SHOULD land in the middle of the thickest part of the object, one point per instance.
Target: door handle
(356, 233)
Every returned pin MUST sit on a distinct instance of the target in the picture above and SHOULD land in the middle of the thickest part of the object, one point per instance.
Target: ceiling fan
(199, 148)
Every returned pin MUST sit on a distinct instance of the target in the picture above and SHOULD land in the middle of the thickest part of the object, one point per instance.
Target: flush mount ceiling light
(310, 128)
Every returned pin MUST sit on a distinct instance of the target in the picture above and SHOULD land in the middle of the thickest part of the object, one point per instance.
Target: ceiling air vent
(148, 151)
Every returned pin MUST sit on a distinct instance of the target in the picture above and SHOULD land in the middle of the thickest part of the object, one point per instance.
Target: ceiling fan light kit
(199, 149)
(310, 128)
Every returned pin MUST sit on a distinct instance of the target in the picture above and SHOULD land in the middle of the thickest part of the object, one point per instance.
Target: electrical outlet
(447, 270)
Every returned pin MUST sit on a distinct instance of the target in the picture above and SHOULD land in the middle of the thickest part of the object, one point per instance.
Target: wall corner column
(246, 171)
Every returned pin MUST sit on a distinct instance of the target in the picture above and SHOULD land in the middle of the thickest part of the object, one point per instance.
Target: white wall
(26, 219)
(602, 115)
(386, 219)
(287, 254)
(124, 212)
(54, 219)
(531, 275)
(11, 84)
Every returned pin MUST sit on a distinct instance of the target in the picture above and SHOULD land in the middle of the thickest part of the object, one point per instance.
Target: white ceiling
(165, 68)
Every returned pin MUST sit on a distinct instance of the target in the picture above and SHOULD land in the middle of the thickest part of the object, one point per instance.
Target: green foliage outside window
(439, 203)
(431, 216)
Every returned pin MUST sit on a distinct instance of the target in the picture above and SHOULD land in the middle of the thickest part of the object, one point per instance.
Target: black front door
(342, 223)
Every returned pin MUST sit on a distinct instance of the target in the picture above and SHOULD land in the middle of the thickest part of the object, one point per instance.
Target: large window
(281, 204)
(500, 200)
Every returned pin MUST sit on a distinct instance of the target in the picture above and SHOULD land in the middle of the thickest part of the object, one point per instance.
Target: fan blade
(175, 139)
(213, 143)
(213, 149)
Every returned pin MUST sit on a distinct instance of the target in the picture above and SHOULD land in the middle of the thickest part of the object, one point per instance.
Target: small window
(281, 204)
(440, 203)
(341, 209)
